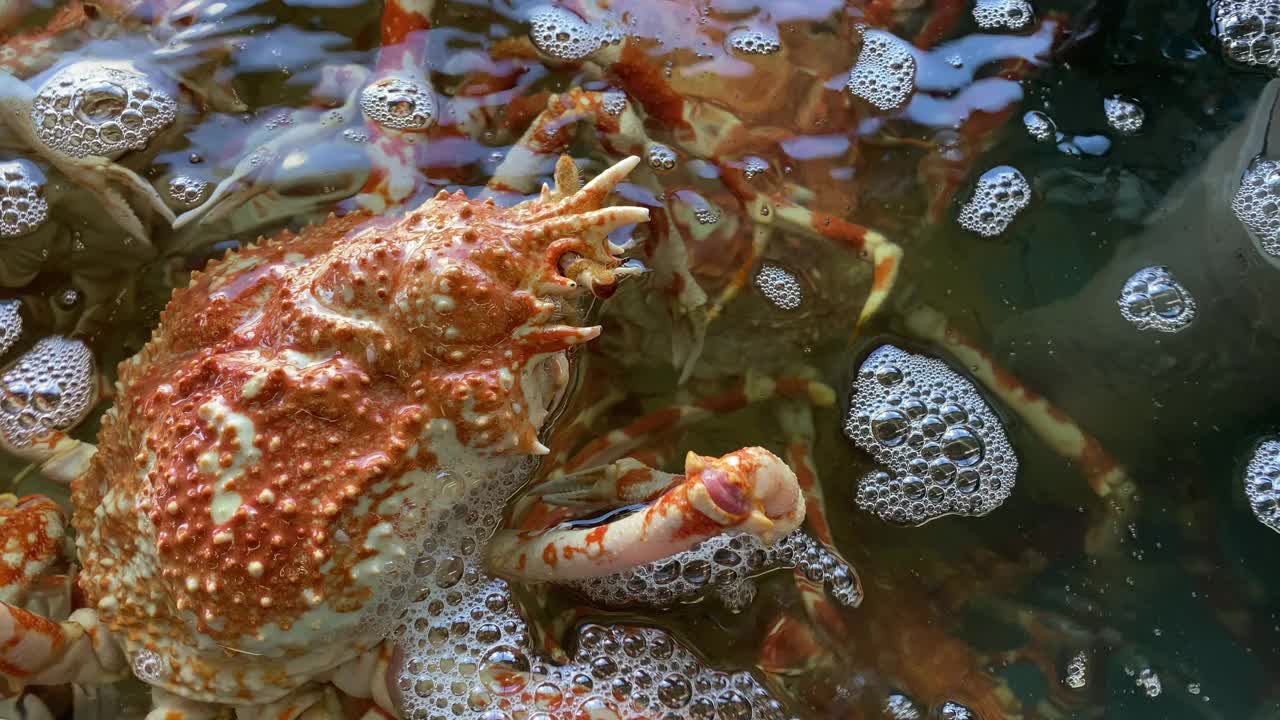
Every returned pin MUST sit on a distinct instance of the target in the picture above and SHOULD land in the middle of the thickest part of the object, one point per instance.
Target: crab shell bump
(306, 406)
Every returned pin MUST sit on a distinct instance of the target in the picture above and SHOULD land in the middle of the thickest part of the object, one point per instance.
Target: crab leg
(37, 651)
(98, 174)
(1108, 479)
(749, 490)
(28, 53)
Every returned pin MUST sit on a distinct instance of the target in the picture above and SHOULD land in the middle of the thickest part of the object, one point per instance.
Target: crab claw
(748, 491)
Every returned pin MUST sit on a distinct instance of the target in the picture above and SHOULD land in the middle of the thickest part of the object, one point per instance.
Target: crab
(249, 524)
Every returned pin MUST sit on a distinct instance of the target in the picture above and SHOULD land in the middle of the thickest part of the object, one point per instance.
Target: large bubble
(942, 448)
(1001, 193)
(1011, 14)
(1249, 31)
(89, 108)
(562, 35)
(23, 207)
(885, 73)
(399, 103)
(1257, 204)
(1152, 299)
(1262, 482)
(10, 324)
(50, 387)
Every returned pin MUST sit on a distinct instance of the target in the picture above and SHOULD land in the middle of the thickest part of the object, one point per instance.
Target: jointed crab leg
(37, 651)
(749, 490)
(1108, 479)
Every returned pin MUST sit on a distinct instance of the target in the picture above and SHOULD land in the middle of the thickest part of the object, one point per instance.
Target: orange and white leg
(37, 651)
(1109, 480)
(33, 539)
(747, 491)
(786, 216)
(27, 53)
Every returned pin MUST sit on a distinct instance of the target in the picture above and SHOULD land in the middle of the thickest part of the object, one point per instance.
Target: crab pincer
(750, 491)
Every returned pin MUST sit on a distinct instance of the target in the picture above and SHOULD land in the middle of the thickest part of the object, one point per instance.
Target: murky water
(1057, 492)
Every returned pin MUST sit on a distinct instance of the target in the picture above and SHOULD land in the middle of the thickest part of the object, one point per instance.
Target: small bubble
(779, 286)
(1152, 299)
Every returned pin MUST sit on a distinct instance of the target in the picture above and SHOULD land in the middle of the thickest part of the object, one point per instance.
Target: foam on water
(49, 387)
(1152, 299)
(469, 654)
(1249, 31)
(1040, 126)
(1001, 193)
(23, 207)
(1257, 204)
(399, 103)
(943, 449)
(1262, 482)
(91, 108)
(562, 35)
(1011, 14)
(660, 157)
(723, 567)
(885, 73)
(186, 191)
(10, 324)
(779, 286)
(753, 42)
(1123, 115)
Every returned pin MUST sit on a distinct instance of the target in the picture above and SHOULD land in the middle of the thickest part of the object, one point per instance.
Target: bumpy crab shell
(305, 406)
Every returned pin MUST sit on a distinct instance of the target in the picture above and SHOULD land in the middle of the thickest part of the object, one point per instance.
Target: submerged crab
(308, 412)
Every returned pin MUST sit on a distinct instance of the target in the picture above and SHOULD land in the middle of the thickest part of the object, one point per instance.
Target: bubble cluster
(562, 35)
(943, 449)
(50, 387)
(399, 103)
(1148, 682)
(1257, 204)
(1249, 31)
(660, 157)
(10, 324)
(89, 108)
(885, 73)
(1011, 14)
(898, 706)
(1001, 193)
(952, 710)
(470, 653)
(1152, 299)
(186, 191)
(753, 42)
(779, 286)
(614, 102)
(753, 166)
(22, 204)
(1123, 115)
(1040, 126)
(723, 567)
(1077, 672)
(707, 214)
(1262, 482)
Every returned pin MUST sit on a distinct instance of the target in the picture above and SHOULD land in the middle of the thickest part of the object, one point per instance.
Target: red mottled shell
(285, 394)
